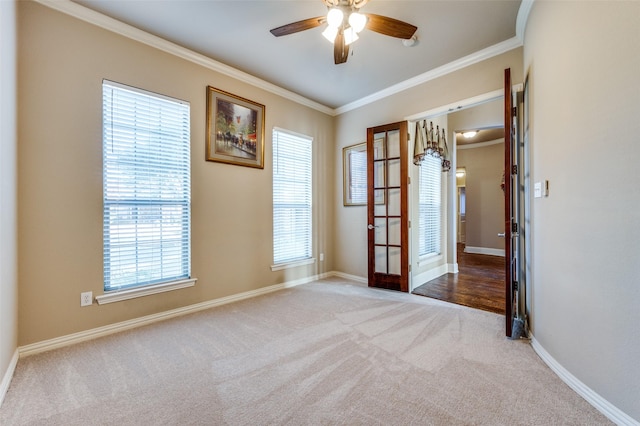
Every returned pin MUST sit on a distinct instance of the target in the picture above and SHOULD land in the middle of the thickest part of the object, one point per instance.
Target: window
(146, 188)
(291, 197)
(430, 206)
(354, 159)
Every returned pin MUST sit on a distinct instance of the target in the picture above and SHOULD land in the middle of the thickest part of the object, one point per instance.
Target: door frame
(390, 281)
(451, 218)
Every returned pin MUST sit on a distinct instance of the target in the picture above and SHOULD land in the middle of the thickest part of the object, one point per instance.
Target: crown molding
(480, 144)
(523, 16)
(85, 14)
(474, 58)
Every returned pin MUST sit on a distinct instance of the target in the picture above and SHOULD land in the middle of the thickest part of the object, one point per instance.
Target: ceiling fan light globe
(330, 34)
(335, 17)
(350, 36)
(357, 21)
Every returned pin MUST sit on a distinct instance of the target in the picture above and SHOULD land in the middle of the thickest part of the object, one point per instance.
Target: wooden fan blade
(340, 50)
(389, 26)
(295, 27)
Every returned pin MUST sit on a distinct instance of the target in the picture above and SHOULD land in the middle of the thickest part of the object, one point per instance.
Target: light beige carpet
(331, 352)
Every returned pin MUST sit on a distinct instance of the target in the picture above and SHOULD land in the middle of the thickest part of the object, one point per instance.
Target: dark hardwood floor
(478, 284)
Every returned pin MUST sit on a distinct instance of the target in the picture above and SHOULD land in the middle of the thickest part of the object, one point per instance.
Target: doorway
(479, 214)
(475, 265)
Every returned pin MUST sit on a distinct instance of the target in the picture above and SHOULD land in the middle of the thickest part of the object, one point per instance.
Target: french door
(514, 206)
(387, 206)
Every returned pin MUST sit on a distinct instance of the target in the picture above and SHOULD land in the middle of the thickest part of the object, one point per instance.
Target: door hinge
(514, 169)
(408, 180)
(514, 227)
(514, 110)
(409, 224)
(409, 268)
(514, 285)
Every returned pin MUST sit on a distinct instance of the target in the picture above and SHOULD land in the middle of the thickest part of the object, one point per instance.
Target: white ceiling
(236, 33)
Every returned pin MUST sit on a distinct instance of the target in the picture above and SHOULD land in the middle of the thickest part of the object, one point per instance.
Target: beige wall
(351, 235)
(583, 61)
(8, 198)
(62, 62)
(484, 197)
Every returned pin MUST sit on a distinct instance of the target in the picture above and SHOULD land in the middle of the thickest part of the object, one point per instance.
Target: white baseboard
(484, 250)
(70, 339)
(605, 407)
(452, 268)
(8, 375)
(429, 275)
(356, 278)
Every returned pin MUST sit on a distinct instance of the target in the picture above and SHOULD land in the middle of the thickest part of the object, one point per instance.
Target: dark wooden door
(510, 206)
(387, 206)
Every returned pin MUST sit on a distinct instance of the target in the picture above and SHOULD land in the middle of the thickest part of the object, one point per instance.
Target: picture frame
(235, 129)
(354, 171)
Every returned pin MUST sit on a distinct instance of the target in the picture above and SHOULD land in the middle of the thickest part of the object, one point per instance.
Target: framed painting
(235, 129)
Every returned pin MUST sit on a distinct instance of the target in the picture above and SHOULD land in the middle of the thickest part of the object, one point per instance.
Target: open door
(513, 198)
(387, 206)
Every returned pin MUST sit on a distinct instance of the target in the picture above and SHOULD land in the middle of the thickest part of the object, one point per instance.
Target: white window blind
(291, 197)
(146, 187)
(430, 206)
(358, 178)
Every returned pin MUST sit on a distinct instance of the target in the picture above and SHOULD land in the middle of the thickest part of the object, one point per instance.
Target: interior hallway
(478, 284)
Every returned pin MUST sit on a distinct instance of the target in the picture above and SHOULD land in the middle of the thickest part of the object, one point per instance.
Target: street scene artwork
(234, 129)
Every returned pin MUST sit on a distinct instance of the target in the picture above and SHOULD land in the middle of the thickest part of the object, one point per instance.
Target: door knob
(501, 235)
(370, 226)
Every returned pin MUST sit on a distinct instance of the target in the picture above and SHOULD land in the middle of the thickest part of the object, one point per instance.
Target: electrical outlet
(86, 298)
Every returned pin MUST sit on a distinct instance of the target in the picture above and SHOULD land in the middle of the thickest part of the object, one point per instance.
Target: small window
(291, 197)
(146, 188)
(430, 206)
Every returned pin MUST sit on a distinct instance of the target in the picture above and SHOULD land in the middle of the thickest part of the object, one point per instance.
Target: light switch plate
(537, 190)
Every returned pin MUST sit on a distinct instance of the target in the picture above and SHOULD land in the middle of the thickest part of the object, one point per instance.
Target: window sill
(117, 296)
(429, 258)
(289, 265)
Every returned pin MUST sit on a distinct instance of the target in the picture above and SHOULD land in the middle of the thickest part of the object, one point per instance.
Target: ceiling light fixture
(357, 21)
(350, 35)
(335, 21)
(335, 17)
(330, 33)
(469, 134)
(344, 22)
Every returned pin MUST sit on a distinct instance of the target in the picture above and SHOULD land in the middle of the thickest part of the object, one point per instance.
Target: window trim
(308, 259)
(116, 294)
(293, 264)
(132, 293)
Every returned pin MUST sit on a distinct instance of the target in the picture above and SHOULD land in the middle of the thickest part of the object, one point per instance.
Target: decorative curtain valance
(428, 142)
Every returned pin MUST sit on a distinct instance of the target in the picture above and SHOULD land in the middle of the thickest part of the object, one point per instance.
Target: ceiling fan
(344, 22)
